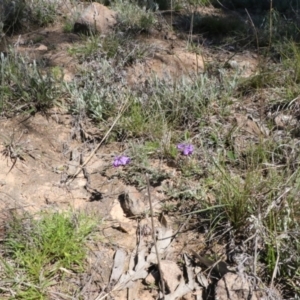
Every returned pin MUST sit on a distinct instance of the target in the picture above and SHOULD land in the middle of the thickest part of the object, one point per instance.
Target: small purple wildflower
(186, 149)
(121, 161)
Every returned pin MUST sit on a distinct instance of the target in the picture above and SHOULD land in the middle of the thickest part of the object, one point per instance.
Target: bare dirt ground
(39, 153)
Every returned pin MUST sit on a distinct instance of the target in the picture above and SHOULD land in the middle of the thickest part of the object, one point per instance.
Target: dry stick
(254, 29)
(154, 238)
(270, 25)
(104, 296)
(275, 268)
(255, 255)
(98, 146)
(257, 46)
(172, 14)
(191, 27)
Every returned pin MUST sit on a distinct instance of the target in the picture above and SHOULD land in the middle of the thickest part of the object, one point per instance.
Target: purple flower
(121, 161)
(186, 149)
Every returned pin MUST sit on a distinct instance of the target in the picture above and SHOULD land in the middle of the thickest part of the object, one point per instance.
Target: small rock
(170, 36)
(233, 64)
(42, 48)
(171, 274)
(126, 227)
(132, 202)
(74, 162)
(96, 166)
(96, 18)
(68, 76)
(189, 296)
(234, 287)
(116, 212)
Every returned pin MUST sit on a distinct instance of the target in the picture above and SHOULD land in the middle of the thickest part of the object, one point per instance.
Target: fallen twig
(154, 239)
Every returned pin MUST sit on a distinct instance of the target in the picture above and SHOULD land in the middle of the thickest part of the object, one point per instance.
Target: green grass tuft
(37, 249)
(37, 91)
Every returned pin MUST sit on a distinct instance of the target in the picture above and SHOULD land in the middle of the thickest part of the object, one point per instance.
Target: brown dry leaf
(171, 274)
(282, 121)
(248, 125)
(186, 288)
(118, 266)
(201, 278)
(164, 238)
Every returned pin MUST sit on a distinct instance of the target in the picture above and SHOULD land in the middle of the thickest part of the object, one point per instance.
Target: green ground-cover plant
(165, 106)
(122, 50)
(37, 91)
(14, 15)
(43, 12)
(98, 91)
(257, 196)
(38, 249)
(134, 18)
(90, 46)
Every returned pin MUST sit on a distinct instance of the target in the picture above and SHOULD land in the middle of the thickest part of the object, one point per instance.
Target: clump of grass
(98, 90)
(68, 26)
(281, 79)
(272, 27)
(43, 12)
(265, 79)
(14, 14)
(34, 92)
(164, 106)
(290, 57)
(120, 48)
(134, 18)
(90, 46)
(101, 86)
(124, 49)
(36, 250)
(257, 198)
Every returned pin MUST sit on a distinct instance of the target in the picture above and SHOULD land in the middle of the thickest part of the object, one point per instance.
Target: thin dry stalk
(154, 239)
(270, 25)
(276, 267)
(191, 28)
(255, 255)
(254, 29)
(172, 14)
